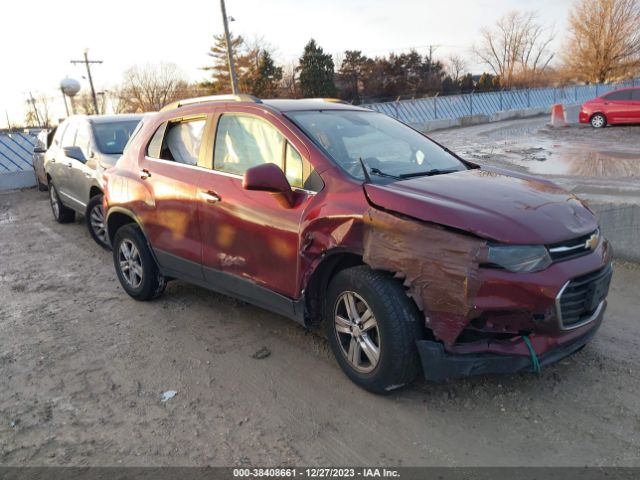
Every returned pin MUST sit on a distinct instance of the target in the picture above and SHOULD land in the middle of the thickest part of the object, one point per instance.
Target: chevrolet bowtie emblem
(592, 242)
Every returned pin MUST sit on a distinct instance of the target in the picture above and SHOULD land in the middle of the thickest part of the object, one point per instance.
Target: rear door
(169, 214)
(618, 108)
(61, 168)
(252, 235)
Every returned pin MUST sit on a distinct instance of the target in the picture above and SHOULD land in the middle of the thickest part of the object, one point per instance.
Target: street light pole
(87, 62)
(232, 66)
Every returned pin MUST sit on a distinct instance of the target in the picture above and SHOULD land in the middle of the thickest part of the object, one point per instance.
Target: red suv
(616, 107)
(339, 216)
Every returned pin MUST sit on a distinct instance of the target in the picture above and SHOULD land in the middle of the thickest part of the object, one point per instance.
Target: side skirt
(230, 285)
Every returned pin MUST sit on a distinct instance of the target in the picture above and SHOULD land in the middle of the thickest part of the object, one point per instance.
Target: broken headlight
(519, 258)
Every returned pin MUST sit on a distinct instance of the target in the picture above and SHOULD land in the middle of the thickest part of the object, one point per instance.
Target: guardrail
(422, 110)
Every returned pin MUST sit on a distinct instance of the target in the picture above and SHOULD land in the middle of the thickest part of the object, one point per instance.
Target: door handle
(144, 174)
(210, 197)
(69, 164)
(53, 160)
(87, 174)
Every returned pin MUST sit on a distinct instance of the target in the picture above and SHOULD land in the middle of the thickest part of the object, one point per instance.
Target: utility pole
(232, 66)
(87, 62)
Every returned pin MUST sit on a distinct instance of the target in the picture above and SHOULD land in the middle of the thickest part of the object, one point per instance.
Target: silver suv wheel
(96, 219)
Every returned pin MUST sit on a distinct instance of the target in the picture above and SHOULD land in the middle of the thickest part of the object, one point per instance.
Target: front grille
(580, 299)
(573, 248)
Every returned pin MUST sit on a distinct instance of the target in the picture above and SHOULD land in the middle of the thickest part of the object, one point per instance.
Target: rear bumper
(438, 365)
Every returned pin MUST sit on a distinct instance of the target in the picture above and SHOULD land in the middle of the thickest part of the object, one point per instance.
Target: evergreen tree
(267, 76)
(316, 72)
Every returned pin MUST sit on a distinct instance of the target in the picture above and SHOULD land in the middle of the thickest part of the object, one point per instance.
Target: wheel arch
(332, 262)
(117, 218)
(95, 190)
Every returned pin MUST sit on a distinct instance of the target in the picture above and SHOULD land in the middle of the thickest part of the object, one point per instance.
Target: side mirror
(268, 177)
(75, 153)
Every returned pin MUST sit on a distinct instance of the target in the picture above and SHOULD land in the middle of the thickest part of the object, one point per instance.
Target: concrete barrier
(431, 125)
(620, 223)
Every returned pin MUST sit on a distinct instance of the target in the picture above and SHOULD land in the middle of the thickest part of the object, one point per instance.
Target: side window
(293, 166)
(155, 145)
(244, 141)
(635, 95)
(182, 141)
(69, 136)
(83, 140)
(621, 95)
(57, 139)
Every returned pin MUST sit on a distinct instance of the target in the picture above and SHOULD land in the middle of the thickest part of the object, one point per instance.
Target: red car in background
(613, 108)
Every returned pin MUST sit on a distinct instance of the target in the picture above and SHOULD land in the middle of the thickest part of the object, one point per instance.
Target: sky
(40, 37)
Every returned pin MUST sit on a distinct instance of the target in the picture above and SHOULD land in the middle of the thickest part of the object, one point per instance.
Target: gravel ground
(83, 369)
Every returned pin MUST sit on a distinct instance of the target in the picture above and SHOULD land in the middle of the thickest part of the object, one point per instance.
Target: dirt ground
(83, 369)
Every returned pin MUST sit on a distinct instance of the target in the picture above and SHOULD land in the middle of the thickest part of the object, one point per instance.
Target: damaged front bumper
(439, 365)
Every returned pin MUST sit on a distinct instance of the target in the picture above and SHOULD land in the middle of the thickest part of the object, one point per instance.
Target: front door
(252, 235)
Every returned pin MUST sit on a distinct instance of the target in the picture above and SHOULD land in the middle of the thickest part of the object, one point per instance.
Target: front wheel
(598, 121)
(95, 222)
(372, 327)
(137, 270)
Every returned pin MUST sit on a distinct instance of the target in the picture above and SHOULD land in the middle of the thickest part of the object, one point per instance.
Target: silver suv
(82, 148)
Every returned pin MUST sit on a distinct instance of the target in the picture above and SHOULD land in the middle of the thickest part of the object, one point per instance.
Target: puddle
(587, 163)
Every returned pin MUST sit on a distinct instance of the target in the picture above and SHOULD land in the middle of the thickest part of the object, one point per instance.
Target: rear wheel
(372, 327)
(61, 213)
(137, 270)
(598, 121)
(95, 222)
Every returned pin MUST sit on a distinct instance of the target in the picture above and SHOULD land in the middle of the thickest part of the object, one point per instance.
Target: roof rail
(243, 97)
(329, 100)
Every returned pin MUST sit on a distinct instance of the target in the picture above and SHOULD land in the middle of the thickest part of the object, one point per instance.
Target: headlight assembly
(519, 258)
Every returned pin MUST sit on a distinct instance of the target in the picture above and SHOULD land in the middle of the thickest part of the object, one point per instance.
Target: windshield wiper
(380, 173)
(429, 173)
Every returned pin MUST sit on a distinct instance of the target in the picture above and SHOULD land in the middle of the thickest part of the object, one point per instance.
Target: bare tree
(37, 112)
(456, 66)
(517, 49)
(149, 87)
(604, 40)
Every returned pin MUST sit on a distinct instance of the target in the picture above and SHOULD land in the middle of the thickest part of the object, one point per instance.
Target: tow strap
(535, 363)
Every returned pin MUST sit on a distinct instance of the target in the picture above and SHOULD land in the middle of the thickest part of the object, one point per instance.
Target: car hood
(491, 203)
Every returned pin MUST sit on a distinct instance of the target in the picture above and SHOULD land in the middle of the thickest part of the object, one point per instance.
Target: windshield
(387, 147)
(111, 137)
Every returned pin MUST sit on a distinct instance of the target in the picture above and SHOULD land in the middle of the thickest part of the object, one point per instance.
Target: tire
(94, 217)
(598, 121)
(61, 214)
(137, 271)
(393, 327)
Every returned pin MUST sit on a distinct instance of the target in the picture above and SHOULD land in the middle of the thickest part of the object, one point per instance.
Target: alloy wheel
(96, 219)
(597, 121)
(130, 263)
(55, 203)
(357, 332)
